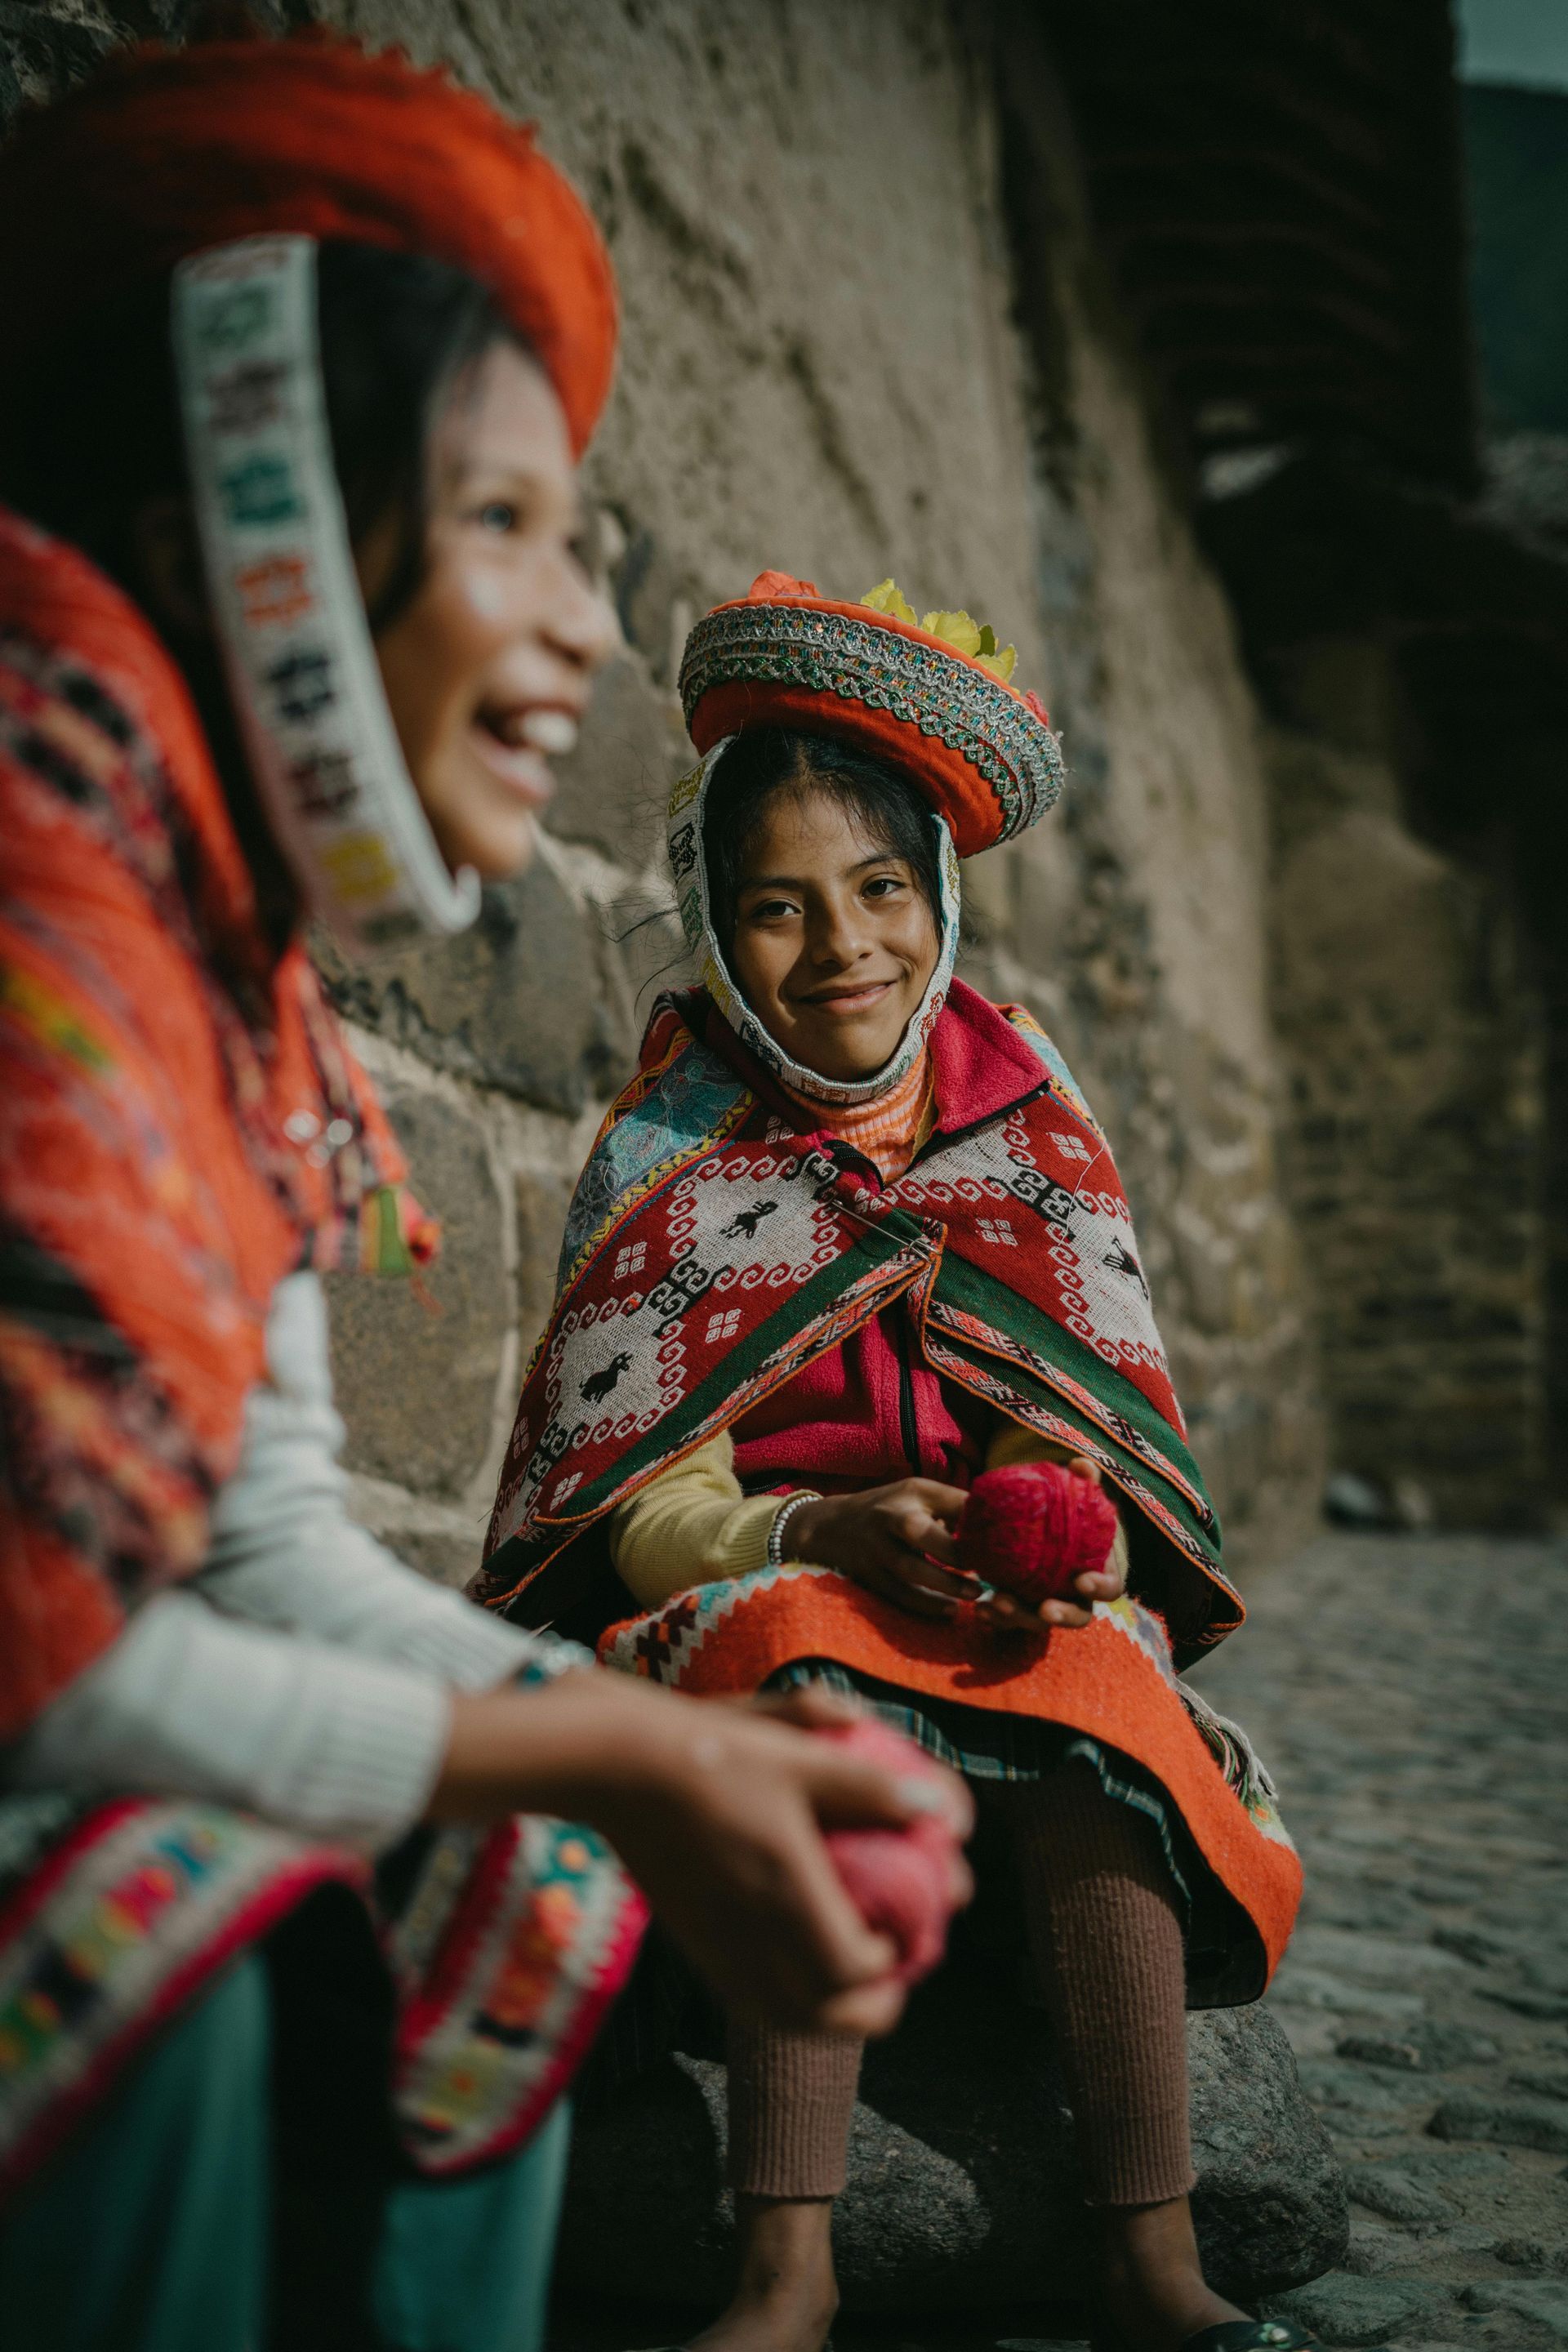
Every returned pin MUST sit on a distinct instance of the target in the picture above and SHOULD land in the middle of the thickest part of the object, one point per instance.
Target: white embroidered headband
(290, 618)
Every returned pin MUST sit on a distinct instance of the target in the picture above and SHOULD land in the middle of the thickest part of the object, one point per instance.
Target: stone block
(1364, 2090)
(446, 1557)
(1392, 2191)
(653, 593)
(1344, 2309)
(1542, 2300)
(1517, 2123)
(520, 1002)
(963, 2190)
(416, 1364)
(651, 948)
(443, 1540)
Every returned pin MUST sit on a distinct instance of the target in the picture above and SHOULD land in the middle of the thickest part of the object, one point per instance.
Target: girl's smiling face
(835, 940)
(488, 666)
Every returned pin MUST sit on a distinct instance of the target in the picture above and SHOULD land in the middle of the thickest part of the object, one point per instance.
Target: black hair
(102, 434)
(767, 762)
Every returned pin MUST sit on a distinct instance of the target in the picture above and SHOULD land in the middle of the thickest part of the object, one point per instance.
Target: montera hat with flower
(224, 164)
(933, 697)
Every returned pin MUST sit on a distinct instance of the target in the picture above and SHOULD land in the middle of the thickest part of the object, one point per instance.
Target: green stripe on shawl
(973, 1292)
(716, 1399)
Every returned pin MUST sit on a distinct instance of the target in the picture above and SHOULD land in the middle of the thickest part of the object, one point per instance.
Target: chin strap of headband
(290, 616)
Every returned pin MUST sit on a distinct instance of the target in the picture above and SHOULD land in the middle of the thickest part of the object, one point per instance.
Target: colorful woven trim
(122, 1922)
(513, 1944)
(510, 1948)
(861, 659)
(688, 812)
(290, 618)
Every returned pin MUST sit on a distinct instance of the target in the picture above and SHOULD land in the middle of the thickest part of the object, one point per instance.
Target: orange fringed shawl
(181, 1123)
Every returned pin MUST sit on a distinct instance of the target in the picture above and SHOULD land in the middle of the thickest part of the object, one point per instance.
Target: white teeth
(552, 731)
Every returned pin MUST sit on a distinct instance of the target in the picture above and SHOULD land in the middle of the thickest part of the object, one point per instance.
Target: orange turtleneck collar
(888, 1130)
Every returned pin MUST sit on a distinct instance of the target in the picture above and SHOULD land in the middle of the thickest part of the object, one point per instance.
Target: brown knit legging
(1103, 1932)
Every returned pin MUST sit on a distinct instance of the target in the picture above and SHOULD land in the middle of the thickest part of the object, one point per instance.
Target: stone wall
(866, 332)
(1410, 1007)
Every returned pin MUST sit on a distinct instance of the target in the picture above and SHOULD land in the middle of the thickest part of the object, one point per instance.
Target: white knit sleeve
(285, 1553)
(305, 1674)
(188, 1704)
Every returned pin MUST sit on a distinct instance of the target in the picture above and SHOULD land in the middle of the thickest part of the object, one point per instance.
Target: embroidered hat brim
(983, 757)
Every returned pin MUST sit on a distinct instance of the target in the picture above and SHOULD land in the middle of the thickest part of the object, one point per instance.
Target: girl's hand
(718, 1812)
(891, 1539)
(1007, 1615)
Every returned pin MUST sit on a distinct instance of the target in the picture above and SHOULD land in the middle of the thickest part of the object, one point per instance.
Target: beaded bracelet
(550, 1656)
(782, 1518)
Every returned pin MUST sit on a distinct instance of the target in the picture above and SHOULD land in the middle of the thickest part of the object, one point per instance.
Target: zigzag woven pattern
(860, 661)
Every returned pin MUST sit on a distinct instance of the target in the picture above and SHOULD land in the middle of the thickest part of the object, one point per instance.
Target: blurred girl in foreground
(306, 1864)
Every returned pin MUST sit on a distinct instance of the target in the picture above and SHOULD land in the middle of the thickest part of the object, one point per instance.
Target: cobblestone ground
(1411, 1696)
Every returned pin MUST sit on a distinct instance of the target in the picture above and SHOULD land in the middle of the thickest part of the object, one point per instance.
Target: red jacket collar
(983, 1066)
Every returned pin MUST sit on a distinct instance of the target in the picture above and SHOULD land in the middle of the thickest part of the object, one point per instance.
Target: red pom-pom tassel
(1032, 1530)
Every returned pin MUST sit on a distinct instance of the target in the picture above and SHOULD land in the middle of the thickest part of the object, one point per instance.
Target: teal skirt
(157, 2227)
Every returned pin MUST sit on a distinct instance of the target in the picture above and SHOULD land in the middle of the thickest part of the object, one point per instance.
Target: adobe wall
(864, 334)
(1410, 1007)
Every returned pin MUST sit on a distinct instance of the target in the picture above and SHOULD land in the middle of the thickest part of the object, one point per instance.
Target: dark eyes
(497, 514)
(880, 887)
(505, 517)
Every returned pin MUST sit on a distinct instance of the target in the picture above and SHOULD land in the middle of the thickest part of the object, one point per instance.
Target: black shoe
(1253, 2336)
(1230, 2336)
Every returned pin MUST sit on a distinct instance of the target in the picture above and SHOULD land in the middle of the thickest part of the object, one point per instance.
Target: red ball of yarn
(1033, 1529)
(900, 1881)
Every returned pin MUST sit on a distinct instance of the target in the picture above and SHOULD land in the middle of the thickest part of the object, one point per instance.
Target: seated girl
(851, 1237)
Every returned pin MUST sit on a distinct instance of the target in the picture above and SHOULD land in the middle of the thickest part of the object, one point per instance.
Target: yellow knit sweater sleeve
(1011, 1444)
(692, 1525)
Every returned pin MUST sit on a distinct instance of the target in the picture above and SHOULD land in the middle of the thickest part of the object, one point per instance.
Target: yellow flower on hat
(1000, 660)
(957, 629)
(886, 599)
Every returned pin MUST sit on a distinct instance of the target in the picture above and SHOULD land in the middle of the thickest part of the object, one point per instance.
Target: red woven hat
(167, 152)
(982, 753)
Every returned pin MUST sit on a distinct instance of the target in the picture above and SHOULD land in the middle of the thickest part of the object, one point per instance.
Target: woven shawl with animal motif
(712, 1250)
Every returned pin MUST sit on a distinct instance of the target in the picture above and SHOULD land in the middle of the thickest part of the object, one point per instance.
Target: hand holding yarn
(1032, 1529)
(906, 1883)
